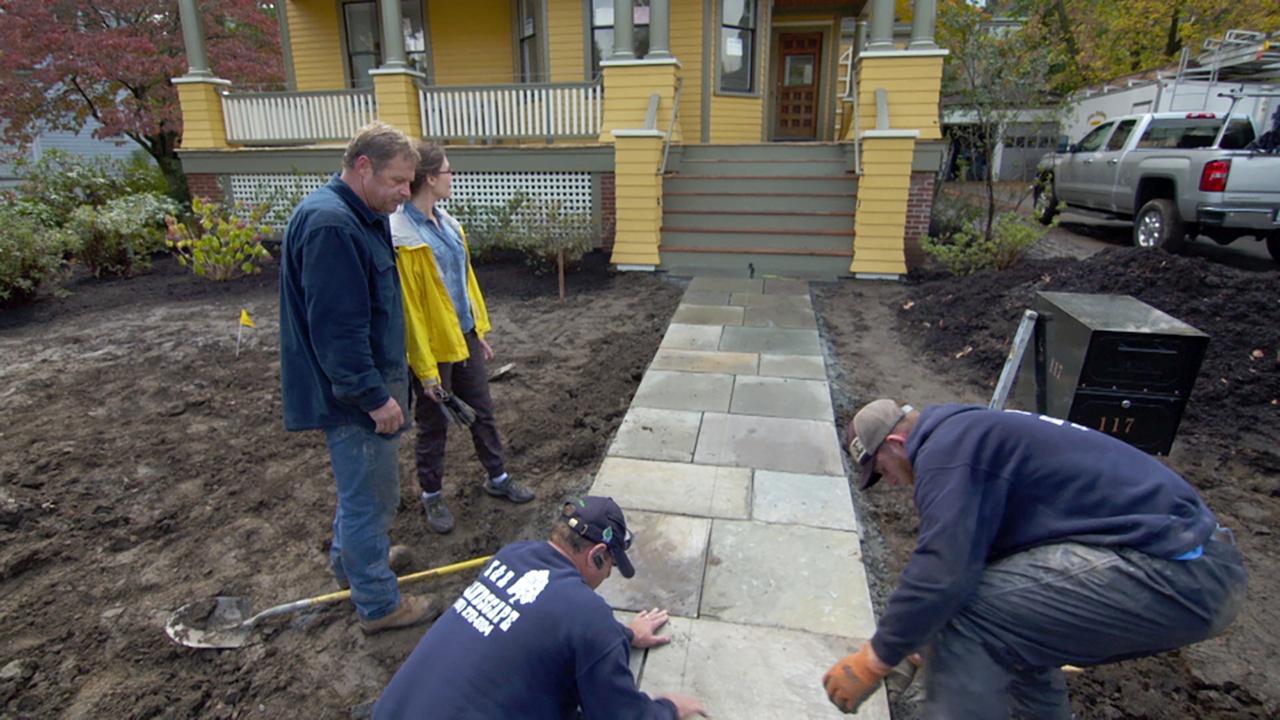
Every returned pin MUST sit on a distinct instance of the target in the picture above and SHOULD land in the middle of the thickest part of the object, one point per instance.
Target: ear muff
(598, 561)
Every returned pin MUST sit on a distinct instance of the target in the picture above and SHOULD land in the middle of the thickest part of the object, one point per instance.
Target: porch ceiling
(854, 5)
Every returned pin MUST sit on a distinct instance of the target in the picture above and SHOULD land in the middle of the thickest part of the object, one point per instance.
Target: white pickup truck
(1171, 175)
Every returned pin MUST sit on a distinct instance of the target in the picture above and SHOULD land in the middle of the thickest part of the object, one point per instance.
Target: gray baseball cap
(867, 431)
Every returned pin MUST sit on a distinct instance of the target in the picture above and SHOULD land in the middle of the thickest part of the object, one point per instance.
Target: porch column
(392, 35)
(193, 39)
(659, 29)
(881, 25)
(624, 31)
(924, 13)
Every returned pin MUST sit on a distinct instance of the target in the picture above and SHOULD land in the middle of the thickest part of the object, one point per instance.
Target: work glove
(457, 411)
(852, 680)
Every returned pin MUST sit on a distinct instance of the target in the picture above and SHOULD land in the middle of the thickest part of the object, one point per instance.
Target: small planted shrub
(119, 237)
(966, 249)
(59, 183)
(30, 253)
(220, 243)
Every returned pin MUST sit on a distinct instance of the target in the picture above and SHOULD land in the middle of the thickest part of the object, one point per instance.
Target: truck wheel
(1157, 225)
(1046, 200)
(1273, 246)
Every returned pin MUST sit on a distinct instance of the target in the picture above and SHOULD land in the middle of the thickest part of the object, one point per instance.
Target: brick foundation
(608, 210)
(919, 208)
(205, 185)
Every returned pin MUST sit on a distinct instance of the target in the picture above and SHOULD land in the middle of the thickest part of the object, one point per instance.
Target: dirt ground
(144, 466)
(939, 339)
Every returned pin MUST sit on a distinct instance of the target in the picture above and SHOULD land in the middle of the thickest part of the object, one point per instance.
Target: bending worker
(531, 639)
(446, 321)
(1041, 543)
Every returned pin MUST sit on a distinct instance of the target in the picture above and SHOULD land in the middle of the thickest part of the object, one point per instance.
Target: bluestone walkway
(728, 466)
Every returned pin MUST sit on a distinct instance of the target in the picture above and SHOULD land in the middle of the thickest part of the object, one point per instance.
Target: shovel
(226, 622)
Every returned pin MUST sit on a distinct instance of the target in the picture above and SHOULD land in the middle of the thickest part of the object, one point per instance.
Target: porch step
(777, 209)
(808, 267)
(757, 221)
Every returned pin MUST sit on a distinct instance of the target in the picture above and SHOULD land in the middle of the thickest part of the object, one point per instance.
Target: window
(1181, 133)
(1093, 140)
(1121, 135)
(738, 48)
(602, 31)
(1238, 135)
(364, 38)
(530, 52)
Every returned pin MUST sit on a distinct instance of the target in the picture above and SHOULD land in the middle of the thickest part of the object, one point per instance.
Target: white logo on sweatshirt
(529, 586)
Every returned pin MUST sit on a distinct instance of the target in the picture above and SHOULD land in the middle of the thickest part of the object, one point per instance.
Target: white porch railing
(550, 111)
(282, 118)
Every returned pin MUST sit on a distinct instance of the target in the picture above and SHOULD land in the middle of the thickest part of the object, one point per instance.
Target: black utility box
(1111, 363)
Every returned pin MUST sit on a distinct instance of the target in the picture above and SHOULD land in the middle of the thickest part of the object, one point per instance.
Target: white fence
(546, 111)
(297, 117)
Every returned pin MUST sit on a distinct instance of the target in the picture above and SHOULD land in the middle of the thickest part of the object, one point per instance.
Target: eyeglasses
(445, 172)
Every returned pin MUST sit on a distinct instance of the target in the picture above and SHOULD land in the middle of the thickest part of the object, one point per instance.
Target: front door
(796, 91)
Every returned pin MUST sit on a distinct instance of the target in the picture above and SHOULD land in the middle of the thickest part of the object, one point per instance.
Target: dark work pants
(1072, 604)
(469, 380)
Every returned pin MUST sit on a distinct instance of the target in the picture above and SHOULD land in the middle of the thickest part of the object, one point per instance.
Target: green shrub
(967, 250)
(951, 215)
(30, 253)
(492, 227)
(59, 182)
(552, 235)
(120, 237)
(223, 242)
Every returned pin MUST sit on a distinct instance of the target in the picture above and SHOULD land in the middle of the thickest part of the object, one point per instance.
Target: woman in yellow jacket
(445, 325)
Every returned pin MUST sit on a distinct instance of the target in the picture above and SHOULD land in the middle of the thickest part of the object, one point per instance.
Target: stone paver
(814, 500)
(684, 391)
(782, 316)
(781, 397)
(756, 299)
(653, 434)
(691, 337)
(679, 488)
(708, 361)
(786, 286)
(786, 444)
(695, 297)
(729, 285)
(797, 366)
(788, 576)
(768, 340)
(636, 660)
(742, 672)
(708, 315)
(669, 555)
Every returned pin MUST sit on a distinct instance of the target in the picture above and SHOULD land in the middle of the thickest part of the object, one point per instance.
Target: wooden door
(796, 91)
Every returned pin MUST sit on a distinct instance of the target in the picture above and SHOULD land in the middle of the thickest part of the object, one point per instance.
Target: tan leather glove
(852, 680)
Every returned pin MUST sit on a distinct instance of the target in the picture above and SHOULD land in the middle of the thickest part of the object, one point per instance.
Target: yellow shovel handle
(412, 577)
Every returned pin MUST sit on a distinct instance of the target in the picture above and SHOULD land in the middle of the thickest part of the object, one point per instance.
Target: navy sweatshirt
(989, 484)
(528, 639)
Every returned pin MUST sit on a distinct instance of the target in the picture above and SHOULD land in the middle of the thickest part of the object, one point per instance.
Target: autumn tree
(63, 61)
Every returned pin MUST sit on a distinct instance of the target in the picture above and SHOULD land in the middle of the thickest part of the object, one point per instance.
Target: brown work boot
(413, 609)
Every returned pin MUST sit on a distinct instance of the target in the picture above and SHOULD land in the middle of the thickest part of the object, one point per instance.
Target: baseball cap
(867, 431)
(599, 519)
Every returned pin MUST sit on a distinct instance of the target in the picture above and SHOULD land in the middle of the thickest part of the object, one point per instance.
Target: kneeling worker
(531, 639)
(1041, 543)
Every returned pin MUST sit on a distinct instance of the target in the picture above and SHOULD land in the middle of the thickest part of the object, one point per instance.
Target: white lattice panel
(572, 190)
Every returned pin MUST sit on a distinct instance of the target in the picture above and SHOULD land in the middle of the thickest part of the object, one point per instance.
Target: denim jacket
(342, 346)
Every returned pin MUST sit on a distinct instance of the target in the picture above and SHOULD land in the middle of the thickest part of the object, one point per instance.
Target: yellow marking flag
(245, 320)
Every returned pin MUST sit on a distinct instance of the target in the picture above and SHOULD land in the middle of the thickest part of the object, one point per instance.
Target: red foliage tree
(62, 61)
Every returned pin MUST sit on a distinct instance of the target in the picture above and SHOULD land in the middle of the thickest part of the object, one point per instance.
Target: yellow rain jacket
(432, 332)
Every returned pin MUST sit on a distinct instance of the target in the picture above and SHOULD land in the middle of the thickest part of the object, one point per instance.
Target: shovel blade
(219, 623)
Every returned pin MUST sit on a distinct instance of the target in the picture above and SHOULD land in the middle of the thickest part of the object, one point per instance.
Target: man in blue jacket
(1041, 543)
(531, 639)
(342, 358)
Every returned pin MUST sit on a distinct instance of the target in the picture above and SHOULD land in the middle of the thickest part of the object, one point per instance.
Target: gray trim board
(286, 45)
(464, 158)
(928, 156)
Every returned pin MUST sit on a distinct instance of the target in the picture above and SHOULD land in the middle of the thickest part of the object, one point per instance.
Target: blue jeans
(366, 468)
(1072, 604)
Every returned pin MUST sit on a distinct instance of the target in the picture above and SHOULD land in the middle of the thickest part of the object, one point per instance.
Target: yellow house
(786, 137)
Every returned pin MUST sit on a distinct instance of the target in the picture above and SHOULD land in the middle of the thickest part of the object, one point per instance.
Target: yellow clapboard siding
(686, 46)
(316, 44)
(882, 210)
(564, 40)
(881, 154)
(471, 42)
